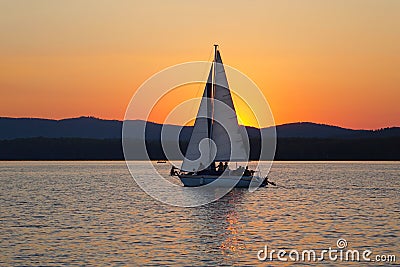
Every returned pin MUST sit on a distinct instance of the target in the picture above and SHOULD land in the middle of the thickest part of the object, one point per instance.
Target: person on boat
(220, 167)
(172, 172)
(226, 167)
(246, 171)
(213, 168)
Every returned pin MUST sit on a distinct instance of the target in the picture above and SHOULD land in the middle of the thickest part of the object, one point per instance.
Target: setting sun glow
(331, 62)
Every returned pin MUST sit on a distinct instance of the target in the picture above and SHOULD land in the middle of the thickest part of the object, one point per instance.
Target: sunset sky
(333, 62)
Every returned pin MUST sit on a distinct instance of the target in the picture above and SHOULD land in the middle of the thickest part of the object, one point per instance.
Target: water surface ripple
(93, 213)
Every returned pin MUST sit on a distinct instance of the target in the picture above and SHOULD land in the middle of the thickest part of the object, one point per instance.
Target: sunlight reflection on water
(88, 213)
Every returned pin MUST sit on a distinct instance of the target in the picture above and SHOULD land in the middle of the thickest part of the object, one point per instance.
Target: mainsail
(225, 131)
(217, 121)
(201, 131)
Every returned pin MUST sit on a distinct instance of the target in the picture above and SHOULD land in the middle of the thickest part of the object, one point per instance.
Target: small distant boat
(216, 121)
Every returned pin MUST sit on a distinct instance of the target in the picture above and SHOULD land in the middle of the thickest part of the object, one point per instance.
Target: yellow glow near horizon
(186, 114)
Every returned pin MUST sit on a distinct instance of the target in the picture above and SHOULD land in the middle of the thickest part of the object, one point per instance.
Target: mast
(214, 71)
(212, 98)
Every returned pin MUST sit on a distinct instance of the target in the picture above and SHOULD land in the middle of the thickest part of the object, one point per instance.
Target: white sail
(197, 151)
(226, 133)
(217, 121)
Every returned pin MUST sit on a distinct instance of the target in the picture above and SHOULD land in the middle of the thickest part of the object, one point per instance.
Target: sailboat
(217, 137)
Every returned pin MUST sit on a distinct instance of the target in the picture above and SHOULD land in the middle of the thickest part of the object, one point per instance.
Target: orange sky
(334, 62)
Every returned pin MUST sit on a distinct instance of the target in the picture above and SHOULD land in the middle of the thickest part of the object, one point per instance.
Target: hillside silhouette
(90, 127)
(88, 138)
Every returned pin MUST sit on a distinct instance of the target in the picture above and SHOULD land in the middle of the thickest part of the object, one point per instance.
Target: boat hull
(220, 181)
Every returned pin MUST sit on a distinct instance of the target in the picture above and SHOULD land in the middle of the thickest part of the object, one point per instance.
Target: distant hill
(94, 128)
(83, 127)
(315, 130)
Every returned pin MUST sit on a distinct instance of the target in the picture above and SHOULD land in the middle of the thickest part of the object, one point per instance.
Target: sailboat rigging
(216, 137)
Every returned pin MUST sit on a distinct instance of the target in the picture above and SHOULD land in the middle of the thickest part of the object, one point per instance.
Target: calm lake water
(93, 213)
